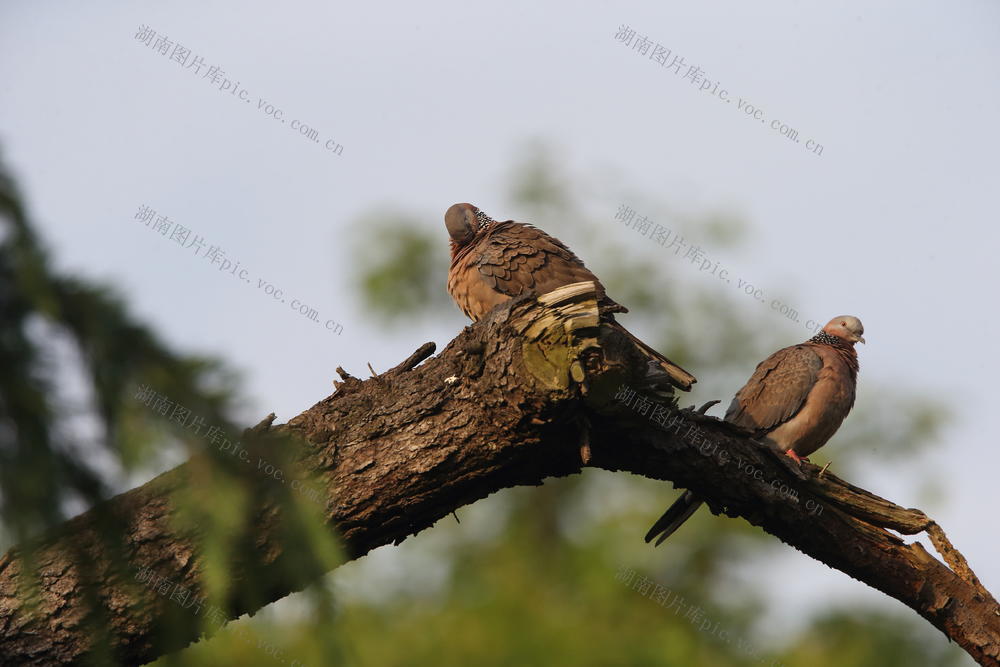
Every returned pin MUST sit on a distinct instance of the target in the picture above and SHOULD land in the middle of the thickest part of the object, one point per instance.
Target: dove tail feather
(680, 378)
(676, 514)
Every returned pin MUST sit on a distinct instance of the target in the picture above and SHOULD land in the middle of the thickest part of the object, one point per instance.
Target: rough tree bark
(528, 393)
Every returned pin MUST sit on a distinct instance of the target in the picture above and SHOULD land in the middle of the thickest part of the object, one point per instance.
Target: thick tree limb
(506, 403)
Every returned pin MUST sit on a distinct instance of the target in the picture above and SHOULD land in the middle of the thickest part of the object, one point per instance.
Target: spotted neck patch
(484, 220)
(844, 349)
(826, 339)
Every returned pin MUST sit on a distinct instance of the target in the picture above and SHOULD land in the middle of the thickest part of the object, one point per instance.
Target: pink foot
(795, 457)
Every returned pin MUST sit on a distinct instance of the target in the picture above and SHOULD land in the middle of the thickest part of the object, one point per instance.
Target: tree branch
(509, 401)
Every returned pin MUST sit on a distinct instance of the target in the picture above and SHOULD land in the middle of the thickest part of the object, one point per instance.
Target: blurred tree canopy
(543, 586)
(77, 426)
(531, 576)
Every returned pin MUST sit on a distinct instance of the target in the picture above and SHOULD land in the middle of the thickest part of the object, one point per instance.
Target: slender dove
(795, 400)
(493, 262)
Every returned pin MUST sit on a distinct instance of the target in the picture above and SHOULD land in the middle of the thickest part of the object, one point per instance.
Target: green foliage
(42, 471)
(864, 637)
(48, 470)
(402, 267)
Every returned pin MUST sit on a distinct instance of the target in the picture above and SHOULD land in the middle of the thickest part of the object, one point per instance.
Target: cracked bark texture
(511, 400)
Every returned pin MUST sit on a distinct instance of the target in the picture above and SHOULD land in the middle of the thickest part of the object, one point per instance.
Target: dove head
(846, 328)
(464, 221)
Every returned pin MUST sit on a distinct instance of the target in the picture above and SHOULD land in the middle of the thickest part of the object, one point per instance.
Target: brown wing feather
(777, 389)
(514, 257)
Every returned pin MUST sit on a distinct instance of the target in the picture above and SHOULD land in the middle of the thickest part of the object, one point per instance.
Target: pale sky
(430, 102)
